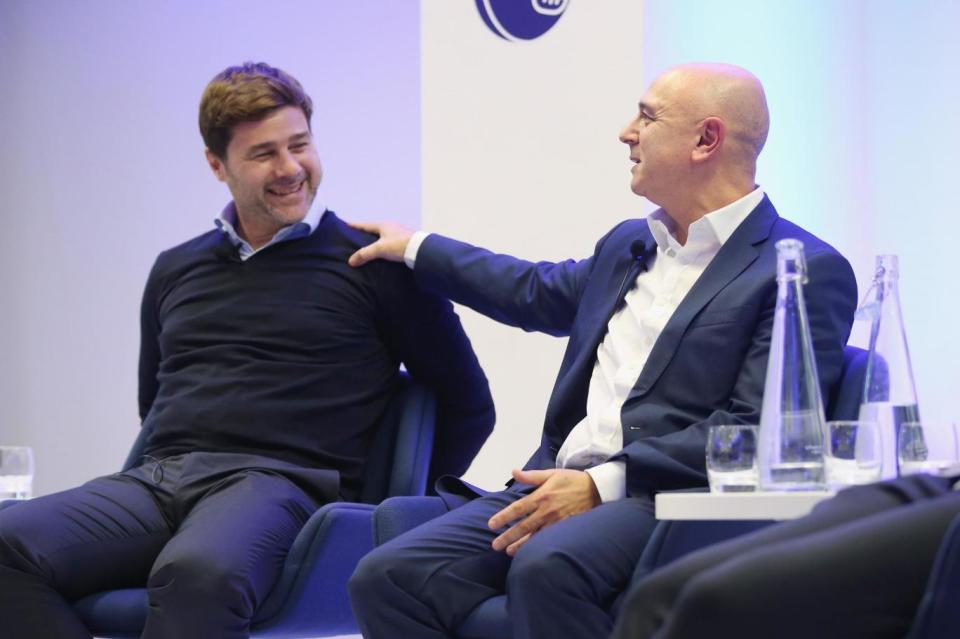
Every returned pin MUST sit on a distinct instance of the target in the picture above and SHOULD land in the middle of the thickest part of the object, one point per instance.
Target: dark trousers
(206, 533)
(856, 566)
(561, 583)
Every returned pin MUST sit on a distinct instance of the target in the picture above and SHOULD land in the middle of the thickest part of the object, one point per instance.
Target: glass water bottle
(791, 421)
(889, 394)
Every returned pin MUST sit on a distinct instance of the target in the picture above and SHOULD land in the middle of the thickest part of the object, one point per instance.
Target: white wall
(520, 155)
(103, 168)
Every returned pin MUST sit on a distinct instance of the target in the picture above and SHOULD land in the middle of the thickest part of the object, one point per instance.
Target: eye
(299, 146)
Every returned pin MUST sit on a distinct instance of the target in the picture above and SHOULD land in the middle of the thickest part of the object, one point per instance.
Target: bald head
(725, 91)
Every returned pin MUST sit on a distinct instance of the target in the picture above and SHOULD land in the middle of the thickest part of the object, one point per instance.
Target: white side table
(736, 506)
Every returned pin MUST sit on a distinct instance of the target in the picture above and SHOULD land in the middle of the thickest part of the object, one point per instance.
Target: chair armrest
(397, 515)
(938, 614)
(312, 590)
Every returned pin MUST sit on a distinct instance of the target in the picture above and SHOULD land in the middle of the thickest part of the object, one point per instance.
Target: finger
(515, 546)
(514, 511)
(526, 527)
(533, 477)
(369, 227)
(364, 255)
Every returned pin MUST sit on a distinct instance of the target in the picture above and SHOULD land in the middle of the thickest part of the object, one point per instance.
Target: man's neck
(254, 234)
(702, 201)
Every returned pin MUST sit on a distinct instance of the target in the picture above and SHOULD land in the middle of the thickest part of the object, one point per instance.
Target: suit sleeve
(422, 331)
(541, 296)
(149, 343)
(677, 460)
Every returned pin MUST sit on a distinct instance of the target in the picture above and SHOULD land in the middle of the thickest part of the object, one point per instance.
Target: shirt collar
(714, 227)
(227, 223)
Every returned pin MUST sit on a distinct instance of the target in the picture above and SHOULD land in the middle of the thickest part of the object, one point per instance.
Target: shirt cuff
(610, 478)
(413, 247)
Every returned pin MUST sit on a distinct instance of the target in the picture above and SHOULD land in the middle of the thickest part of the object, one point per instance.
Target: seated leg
(60, 547)
(225, 557)
(803, 563)
(565, 579)
(424, 583)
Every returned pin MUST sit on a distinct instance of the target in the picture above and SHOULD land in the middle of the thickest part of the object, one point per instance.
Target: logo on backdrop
(521, 19)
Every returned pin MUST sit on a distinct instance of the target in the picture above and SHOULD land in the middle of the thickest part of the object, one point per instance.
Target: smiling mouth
(282, 191)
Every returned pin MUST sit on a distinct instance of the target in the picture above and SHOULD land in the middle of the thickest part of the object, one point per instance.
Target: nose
(286, 164)
(628, 135)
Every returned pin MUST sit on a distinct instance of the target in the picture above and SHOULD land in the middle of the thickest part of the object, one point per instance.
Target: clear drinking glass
(924, 447)
(853, 453)
(732, 458)
(16, 472)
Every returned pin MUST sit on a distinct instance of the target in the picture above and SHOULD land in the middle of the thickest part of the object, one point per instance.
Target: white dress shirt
(631, 333)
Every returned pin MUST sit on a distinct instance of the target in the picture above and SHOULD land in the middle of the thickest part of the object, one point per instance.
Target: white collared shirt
(632, 332)
(227, 223)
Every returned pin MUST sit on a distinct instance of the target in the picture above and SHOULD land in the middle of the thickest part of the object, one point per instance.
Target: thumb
(532, 477)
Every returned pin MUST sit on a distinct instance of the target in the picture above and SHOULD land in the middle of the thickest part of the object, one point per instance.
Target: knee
(378, 571)
(367, 576)
(194, 580)
(541, 568)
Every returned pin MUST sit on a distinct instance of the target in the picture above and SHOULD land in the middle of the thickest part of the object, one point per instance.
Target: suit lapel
(734, 257)
(622, 277)
(620, 281)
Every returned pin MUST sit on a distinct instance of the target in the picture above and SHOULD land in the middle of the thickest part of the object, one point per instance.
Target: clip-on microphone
(638, 251)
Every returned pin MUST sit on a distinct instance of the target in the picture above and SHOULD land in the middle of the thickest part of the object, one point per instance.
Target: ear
(713, 131)
(216, 165)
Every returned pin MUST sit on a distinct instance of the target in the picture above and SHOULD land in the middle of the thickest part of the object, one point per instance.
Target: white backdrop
(520, 155)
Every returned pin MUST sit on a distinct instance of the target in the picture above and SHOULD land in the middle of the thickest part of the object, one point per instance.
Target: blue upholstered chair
(940, 608)
(310, 599)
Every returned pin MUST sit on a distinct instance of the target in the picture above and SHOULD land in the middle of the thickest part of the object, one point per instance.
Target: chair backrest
(400, 452)
(399, 457)
(845, 398)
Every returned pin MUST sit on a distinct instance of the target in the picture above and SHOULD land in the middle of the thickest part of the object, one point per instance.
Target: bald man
(669, 325)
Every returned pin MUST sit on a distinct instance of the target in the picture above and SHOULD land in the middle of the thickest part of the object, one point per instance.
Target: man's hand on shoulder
(560, 493)
(391, 245)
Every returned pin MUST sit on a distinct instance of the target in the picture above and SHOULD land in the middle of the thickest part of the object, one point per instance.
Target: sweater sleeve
(422, 330)
(149, 342)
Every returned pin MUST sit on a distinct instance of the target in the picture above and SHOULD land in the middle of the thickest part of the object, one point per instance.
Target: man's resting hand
(560, 493)
(391, 245)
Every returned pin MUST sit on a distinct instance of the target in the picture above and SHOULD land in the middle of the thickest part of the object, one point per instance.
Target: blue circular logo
(521, 19)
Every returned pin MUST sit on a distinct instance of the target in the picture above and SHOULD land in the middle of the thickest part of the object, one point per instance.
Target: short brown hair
(245, 93)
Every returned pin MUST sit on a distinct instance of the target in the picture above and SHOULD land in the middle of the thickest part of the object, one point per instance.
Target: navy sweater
(294, 355)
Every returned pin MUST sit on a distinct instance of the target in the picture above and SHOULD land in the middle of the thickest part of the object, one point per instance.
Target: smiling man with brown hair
(265, 363)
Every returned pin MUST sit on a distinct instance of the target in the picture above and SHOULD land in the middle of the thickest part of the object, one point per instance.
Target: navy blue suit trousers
(563, 582)
(207, 532)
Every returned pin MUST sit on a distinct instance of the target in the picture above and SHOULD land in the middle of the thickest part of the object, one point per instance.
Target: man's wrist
(610, 480)
(413, 247)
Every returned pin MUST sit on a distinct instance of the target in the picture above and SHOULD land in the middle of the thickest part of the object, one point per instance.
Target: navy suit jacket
(707, 366)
